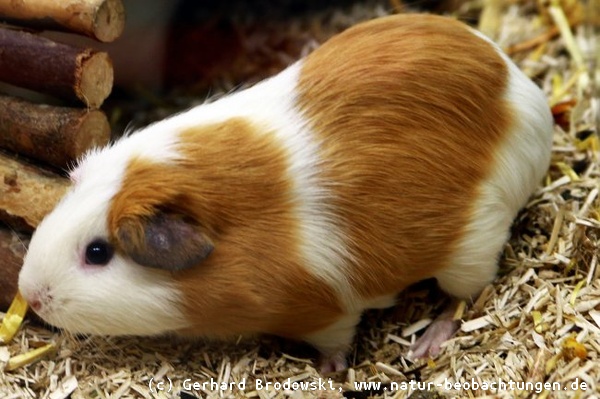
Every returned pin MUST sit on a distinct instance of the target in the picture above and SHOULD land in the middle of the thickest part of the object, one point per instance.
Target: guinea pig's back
(413, 117)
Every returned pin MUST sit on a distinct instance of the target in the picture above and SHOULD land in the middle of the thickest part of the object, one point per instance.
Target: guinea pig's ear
(164, 241)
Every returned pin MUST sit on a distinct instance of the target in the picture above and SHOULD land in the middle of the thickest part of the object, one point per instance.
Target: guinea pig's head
(82, 276)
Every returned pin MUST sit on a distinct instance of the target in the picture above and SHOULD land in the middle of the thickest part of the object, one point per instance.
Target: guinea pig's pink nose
(35, 304)
(39, 299)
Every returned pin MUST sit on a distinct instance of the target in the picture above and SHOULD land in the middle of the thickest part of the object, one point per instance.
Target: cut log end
(94, 127)
(39, 64)
(103, 20)
(96, 79)
(54, 135)
(27, 193)
(109, 21)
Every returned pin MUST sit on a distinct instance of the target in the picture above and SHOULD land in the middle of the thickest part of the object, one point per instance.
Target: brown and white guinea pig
(400, 150)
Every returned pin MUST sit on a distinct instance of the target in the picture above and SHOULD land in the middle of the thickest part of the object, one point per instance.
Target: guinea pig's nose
(39, 299)
(35, 303)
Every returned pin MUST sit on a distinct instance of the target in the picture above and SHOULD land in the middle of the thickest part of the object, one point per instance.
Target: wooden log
(103, 20)
(39, 64)
(12, 252)
(55, 135)
(27, 193)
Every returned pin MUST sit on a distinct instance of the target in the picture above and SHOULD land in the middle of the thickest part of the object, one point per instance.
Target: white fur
(519, 166)
(336, 336)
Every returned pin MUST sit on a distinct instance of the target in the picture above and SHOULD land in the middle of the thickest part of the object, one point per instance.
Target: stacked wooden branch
(37, 139)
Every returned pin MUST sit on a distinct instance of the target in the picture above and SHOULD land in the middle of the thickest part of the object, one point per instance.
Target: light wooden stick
(103, 20)
(39, 64)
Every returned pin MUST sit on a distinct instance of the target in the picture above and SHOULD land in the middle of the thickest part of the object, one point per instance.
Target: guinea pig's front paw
(333, 363)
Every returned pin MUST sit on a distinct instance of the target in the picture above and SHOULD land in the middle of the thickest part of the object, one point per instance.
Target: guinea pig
(400, 150)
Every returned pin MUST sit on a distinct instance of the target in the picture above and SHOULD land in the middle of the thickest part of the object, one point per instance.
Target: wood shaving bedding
(538, 323)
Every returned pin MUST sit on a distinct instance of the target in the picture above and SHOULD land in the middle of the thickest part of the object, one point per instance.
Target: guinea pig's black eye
(98, 252)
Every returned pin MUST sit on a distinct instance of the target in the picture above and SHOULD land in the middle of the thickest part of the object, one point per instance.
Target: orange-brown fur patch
(233, 183)
(408, 111)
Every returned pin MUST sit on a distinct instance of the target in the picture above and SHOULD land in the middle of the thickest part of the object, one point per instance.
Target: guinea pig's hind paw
(333, 363)
(438, 332)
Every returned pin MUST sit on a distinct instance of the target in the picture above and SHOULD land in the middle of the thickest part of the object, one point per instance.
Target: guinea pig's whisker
(17, 235)
(70, 338)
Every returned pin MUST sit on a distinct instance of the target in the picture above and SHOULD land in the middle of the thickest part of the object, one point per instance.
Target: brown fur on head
(229, 200)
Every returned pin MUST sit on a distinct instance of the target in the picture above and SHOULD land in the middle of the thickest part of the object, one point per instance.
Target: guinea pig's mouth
(64, 313)
(53, 311)
(48, 317)
(48, 314)
(74, 318)
(67, 321)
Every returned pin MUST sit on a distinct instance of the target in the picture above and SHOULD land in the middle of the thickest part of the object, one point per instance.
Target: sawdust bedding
(538, 323)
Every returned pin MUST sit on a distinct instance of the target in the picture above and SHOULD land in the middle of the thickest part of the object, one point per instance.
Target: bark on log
(12, 251)
(103, 20)
(55, 135)
(27, 193)
(39, 64)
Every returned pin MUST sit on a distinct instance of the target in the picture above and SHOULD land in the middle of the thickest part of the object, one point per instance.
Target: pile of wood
(38, 142)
